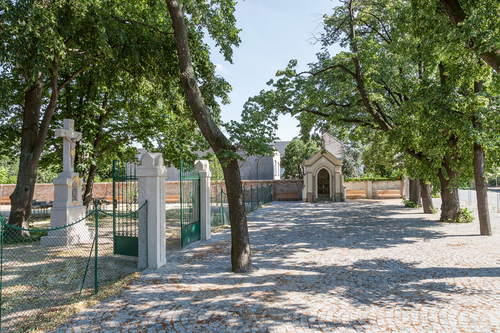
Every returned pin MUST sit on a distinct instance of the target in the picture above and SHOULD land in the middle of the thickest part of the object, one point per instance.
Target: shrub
(465, 216)
(410, 204)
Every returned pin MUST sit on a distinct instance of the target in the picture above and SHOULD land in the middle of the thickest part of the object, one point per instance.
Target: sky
(273, 33)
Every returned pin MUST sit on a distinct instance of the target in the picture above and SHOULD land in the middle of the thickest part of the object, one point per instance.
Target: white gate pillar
(151, 175)
(203, 168)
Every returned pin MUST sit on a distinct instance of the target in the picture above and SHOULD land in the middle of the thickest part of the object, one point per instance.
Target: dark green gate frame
(125, 201)
(190, 205)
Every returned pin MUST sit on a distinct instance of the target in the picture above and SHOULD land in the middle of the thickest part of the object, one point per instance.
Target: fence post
(96, 281)
(202, 166)
(498, 203)
(221, 207)
(151, 175)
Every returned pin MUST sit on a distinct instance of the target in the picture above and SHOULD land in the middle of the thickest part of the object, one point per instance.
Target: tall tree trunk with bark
(30, 153)
(450, 204)
(481, 191)
(240, 241)
(425, 191)
(415, 191)
(481, 185)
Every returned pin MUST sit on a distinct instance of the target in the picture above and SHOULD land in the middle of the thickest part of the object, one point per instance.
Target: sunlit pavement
(359, 266)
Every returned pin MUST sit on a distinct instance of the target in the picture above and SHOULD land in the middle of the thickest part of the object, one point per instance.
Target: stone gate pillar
(203, 168)
(151, 175)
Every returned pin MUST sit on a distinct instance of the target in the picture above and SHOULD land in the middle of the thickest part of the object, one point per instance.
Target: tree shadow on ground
(302, 283)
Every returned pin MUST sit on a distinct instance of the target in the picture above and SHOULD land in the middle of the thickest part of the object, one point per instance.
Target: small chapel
(323, 178)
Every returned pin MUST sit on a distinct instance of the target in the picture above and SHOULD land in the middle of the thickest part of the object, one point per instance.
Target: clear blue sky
(273, 33)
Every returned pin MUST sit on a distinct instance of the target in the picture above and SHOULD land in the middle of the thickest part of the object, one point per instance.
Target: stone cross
(69, 138)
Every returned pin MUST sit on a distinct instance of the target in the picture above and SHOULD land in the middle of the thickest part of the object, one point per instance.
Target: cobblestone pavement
(359, 266)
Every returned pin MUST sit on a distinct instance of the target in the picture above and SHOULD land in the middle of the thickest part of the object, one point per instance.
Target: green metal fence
(125, 201)
(219, 213)
(255, 197)
(36, 280)
(190, 205)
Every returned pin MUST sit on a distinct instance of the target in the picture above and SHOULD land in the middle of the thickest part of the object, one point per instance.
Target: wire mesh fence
(43, 269)
(254, 199)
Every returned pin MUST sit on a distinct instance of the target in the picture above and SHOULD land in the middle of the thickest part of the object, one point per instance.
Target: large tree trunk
(33, 138)
(425, 191)
(481, 191)
(240, 244)
(28, 163)
(240, 241)
(415, 191)
(89, 186)
(450, 203)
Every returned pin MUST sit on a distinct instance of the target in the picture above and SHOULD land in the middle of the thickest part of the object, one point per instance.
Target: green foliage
(352, 160)
(368, 177)
(296, 152)
(8, 171)
(465, 216)
(410, 204)
(404, 86)
(215, 169)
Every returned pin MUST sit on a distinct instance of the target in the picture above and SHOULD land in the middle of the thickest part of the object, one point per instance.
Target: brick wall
(45, 192)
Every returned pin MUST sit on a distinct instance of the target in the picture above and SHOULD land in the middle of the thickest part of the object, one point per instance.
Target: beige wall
(366, 185)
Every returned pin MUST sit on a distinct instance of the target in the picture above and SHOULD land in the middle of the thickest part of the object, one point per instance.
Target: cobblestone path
(359, 266)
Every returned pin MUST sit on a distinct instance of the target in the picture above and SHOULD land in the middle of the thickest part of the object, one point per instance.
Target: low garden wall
(45, 192)
(371, 187)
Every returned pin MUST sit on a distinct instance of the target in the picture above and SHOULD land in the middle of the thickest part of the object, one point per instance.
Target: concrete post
(151, 175)
(369, 189)
(202, 167)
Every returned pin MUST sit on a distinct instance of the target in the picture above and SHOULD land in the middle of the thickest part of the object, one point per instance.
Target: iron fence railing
(36, 279)
(254, 199)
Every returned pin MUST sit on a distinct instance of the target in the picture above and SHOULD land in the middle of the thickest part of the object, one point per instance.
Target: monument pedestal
(67, 209)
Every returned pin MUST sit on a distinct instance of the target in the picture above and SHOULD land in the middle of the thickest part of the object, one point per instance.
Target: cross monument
(69, 139)
(68, 204)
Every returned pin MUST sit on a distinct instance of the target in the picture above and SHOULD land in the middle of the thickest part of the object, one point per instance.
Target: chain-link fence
(254, 199)
(43, 269)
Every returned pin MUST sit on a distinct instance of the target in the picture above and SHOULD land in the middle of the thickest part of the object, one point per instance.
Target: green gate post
(96, 287)
(114, 206)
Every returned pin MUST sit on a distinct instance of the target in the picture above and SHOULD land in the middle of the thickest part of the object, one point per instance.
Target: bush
(373, 179)
(465, 216)
(410, 204)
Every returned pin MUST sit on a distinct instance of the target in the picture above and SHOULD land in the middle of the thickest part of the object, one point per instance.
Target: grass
(57, 316)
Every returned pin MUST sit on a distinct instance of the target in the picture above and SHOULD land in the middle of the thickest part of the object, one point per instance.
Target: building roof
(280, 146)
(332, 145)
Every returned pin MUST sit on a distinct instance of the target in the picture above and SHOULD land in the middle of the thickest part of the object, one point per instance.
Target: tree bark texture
(415, 191)
(425, 191)
(481, 191)
(450, 204)
(33, 136)
(28, 163)
(456, 14)
(240, 242)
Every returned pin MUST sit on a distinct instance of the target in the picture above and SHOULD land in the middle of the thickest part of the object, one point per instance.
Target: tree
(44, 46)
(352, 157)
(479, 28)
(393, 81)
(296, 152)
(223, 30)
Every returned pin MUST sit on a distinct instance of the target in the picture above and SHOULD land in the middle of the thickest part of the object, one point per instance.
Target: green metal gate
(125, 202)
(190, 205)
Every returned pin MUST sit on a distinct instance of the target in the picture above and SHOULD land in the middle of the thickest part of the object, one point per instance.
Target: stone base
(75, 234)
(78, 233)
